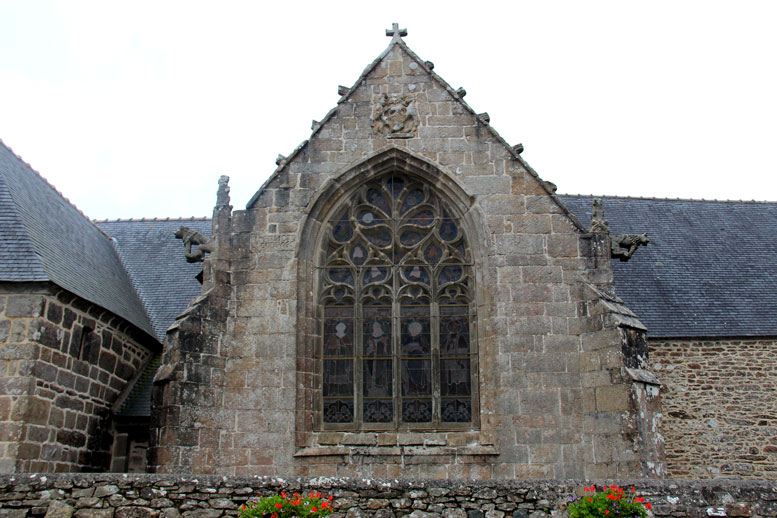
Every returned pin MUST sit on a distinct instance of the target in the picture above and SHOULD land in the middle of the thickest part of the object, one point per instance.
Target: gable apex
(361, 101)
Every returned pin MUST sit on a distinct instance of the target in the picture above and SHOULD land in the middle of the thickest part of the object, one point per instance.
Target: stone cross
(395, 32)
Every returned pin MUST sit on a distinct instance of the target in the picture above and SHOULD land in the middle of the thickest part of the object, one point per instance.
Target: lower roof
(710, 269)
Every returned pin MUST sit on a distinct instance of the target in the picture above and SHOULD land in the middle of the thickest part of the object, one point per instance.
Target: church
(404, 297)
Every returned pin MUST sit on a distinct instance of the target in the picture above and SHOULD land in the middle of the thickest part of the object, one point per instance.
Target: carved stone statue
(395, 116)
(222, 195)
(624, 245)
(191, 238)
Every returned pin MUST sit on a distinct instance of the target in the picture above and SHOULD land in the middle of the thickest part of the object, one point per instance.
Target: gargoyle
(190, 238)
(623, 246)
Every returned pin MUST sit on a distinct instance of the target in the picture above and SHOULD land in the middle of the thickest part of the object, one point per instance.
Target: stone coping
(163, 480)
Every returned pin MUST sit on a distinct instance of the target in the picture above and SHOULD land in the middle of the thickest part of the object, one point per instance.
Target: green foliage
(612, 502)
(288, 506)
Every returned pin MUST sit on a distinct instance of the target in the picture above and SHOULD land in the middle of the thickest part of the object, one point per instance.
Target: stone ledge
(322, 451)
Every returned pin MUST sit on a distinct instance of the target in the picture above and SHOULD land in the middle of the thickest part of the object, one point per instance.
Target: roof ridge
(155, 219)
(659, 198)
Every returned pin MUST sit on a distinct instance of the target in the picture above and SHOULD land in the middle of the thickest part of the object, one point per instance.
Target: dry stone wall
(719, 405)
(157, 496)
(63, 363)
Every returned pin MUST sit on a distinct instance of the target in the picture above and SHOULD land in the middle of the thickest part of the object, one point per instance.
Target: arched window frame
(436, 190)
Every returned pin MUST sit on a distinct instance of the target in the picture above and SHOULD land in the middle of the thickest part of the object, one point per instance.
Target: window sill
(397, 451)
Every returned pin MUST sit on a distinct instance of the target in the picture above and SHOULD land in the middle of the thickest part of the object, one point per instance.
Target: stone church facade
(406, 297)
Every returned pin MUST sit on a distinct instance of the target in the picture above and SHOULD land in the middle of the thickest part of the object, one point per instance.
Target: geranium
(611, 500)
(284, 506)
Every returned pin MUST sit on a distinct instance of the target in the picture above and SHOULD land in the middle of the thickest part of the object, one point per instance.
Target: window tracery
(395, 291)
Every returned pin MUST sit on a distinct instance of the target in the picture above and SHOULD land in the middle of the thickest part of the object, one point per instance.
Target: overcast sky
(134, 109)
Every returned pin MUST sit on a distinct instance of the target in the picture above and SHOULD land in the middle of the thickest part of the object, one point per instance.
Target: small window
(396, 312)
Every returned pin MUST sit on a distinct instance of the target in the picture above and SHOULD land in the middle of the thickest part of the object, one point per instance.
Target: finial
(395, 32)
(461, 92)
(598, 223)
(342, 90)
(222, 195)
(485, 117)
(280, 159)
(518, 148)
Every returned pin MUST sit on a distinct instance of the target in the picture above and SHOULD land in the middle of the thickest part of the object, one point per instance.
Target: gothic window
(396, 311)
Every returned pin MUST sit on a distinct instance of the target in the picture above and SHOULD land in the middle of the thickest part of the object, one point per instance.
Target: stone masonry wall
(719, 405)
(159, 496)
(553, 401)
(63, 363)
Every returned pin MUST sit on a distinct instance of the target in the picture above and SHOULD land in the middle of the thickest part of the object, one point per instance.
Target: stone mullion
(358, 364)
(396, 364)
(396, 329)
(434, 328)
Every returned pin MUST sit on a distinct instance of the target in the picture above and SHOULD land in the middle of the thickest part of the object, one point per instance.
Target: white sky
(134, 109)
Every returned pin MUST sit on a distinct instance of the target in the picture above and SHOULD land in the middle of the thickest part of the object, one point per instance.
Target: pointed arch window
(397, 317)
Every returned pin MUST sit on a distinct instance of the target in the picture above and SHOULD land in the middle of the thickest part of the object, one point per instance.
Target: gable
(445, 130)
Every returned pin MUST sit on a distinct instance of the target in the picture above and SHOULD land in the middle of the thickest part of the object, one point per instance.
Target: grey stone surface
(59, 509)
(241, 363)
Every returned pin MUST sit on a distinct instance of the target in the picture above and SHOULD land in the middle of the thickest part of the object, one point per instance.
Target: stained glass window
(395, 289)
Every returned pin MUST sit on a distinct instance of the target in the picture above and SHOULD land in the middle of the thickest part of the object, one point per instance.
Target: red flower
(330, 498)
(324, 505)
(296, 502)
(313, 509)
(639, 499)
(279, 506)
(312, 494)
(647, 505)
(590, 499)
(283, 495)
(606, 511)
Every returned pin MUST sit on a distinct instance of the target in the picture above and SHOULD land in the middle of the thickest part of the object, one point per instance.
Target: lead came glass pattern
(395, 289)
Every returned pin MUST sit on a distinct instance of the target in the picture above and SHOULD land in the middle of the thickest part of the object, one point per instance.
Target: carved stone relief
(394, 116)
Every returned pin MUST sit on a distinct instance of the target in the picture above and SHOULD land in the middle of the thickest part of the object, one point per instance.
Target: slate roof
(43, 237)
(710, 269)
(155, 260)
